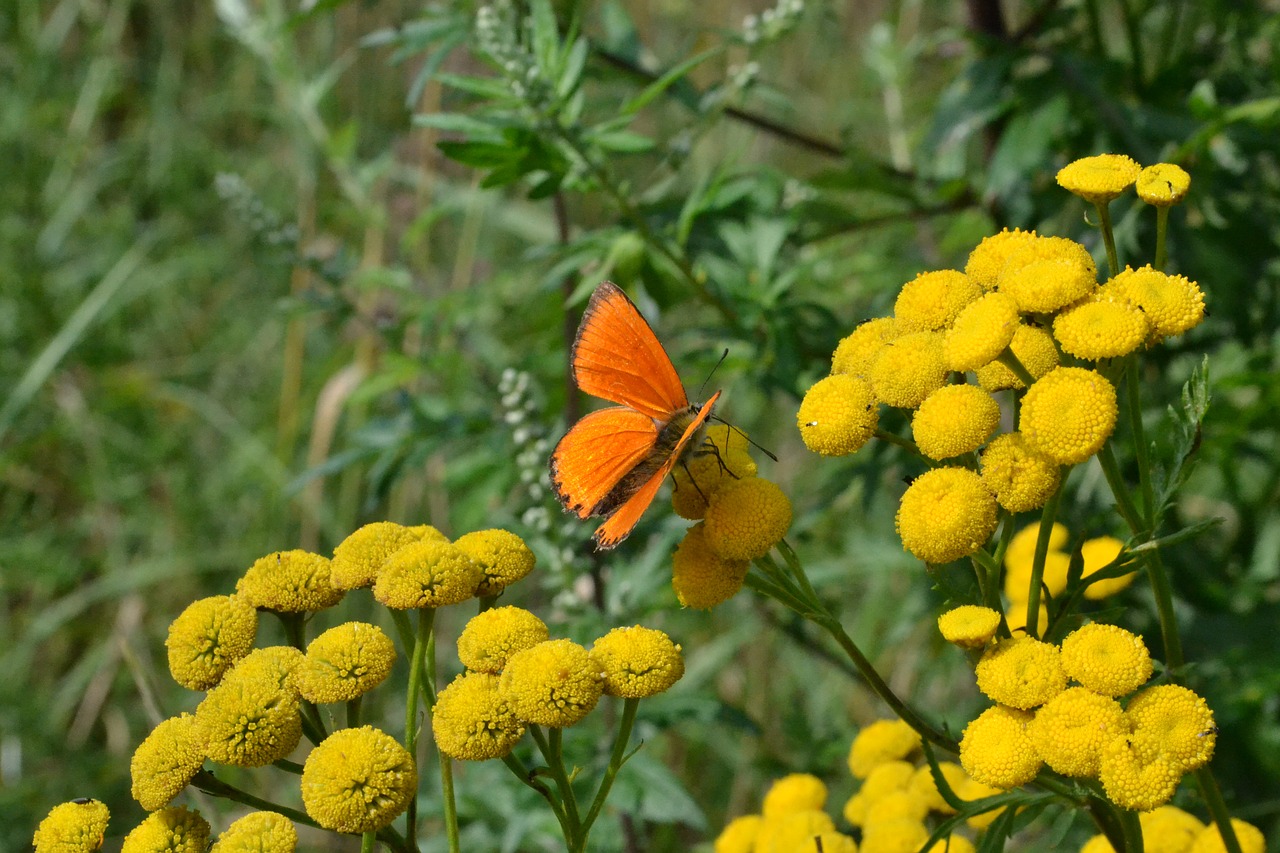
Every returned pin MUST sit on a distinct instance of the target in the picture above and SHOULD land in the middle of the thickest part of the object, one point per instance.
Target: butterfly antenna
(759, 447)
(703, 386)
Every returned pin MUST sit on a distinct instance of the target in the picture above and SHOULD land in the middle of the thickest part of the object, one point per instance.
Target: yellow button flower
(1098, 844)
(894, 836)
(1021, 672)
(174, 829)
(931, 301)
(1033, 347)
(165, 761)
(258, 832)
(249, 720)
(969, 626)
(954, 420)
(74, 827)
(1170, 829)
(208, 637)
(359, 557)
(881, 742)
(855, 352)
(1071, 729)
(1135, 778)
(1163, 184)
(1023, 544)
(427, 574)
(1172, 304)
(1069, 413)
(902, 804)
(830, 842)
(747, 518)
(981, 332)
(838, 415)
(273, 665)
(711, 467)
(492, 637)
(289, 582)
(909, 369)
(796, 792)
(358, 780)
(987, 260)
(555, 683)
(926, 790)
(1210, 839)
(1099, 328)
(973, 790)
(1048, 273)
(701, 578)
(1016, 618)
(502, 556)
(1107, 659)
(946, 514)
(996, 749)
(788, 833)
(739, 835)
(345, 662)
(638, 662)
(472, 721)
(1100, 178)
(1022, 479)
(1175, 723)
(953, 844)
(1097, 555)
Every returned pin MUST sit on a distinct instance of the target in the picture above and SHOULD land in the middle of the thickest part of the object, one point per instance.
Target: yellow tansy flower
(901, 804)
(1175, 723)
(701, 578)
(427, 574)
(1017, 577)
(981, 332)
(249, 720)
(787, 833)
(1023, 544)
(258, 832)
(1135, 778)
(894, 836)
(1100, 178)
(638, 662)
(74, 827)
(208, 637)
(1210, 839)
(165, 761)
(1033, 347)
(946, 514)
(996, 749)
(987, 260)
(931, 300)
(503, 558)
(739, 835)
(1021, 672)
(1163, 184)
(954, 420)
(1101, 328)
(855, 353)
(723, 458)
(1021, 478)
(1071, 729)
(272, 665)
(1097, 555)
(953, 844)
(174, 829)
(1172, 304)
(1107, 659)
(1169, 829)
(1048, 273)
(472, 721)
(829, 842)
(358, 780)
(1069, 413)
(358, 558)
(972, 790)
(345, 662)
(880, 742)
(796, 792)
(838, 415)
(555, 683)
(926, 790)
(1016, 618)
(289, 582)
(492, 637)
(969, 626)
(1098, 844)
(908, 369)
(746, 518)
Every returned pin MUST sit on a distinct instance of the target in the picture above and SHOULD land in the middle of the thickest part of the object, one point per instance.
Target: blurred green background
(270, 271)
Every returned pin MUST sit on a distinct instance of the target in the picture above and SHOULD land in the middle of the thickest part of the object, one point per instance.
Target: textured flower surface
(747, 518)
(1069, 413)
(1048, 273)
(1107, 659)
(208, 637)
(258, 832)
(838, 415)
(879, 742)
(931, 301)
(492, 637)
(358, 780)
(1020, 477)
(701, 577)
(555, 683)
(857, 350)
(345, 662)
(289, 582)
(1035, 350)
(981, 332)
(1169, 828)
(1071, 728)
(638, 662)
(165, 761)
(1175, 723)
(1021, 672)
(1099, 178)
(795, 792)
(427, 574)
(954, 420)
(996, 749)
(74, 827)
(1101, 328)
(358, 558)
(988, 258)
(708, 469)
(1172, 304)
(249, 720)
(1135, 778)
(174, 829)
(946, 514)
(270, 665)
(908, 369)
(1163, 184)
(969, 626)
(503, 558)
(472, 721)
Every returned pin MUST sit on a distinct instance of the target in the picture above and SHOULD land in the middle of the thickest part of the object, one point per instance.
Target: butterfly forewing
(598, 452)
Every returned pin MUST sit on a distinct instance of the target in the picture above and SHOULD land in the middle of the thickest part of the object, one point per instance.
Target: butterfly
(611, 463)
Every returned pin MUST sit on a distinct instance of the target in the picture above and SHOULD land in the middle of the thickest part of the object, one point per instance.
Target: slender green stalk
(904, 443)
(1119, 489)
(288, 766)
(427, 637)
(366, 842)
(616, 760)
(1011, 361)
(1108, 236)
(987, 572)
(1162, 228)
(353, 712)
(1132, 831)
(1133, 407)
(555, 766)
(766, 587)
(1002, 546)
(426, 625)
(1048, 515)
(1218, 808)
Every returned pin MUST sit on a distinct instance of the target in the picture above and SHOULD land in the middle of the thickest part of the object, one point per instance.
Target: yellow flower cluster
(358, 780)
(1103, 177)
(1169, 829)
(792, 820)
(75, 827)
(1019, 560)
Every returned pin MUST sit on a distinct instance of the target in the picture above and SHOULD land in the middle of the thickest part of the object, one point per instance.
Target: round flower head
(953, 844)
(1018, 571)
(796, 792)
(879, 742)
(289, 582)
(969, 626)
(1021, 478)
(829, 842)
(788, 833)
(932, 300)
(981, 332)
(258, 832)
(1172, 304)
(1135, 778)
(1023, 544)
(358, 780)
(946, 514)
(707, 470)
(857, 350)
(747, 518)
(1097, 555)
(954, 420)
(555, 683)
(249, 721)
(838, 415)
(1048, 273)
(701, 578)
(1071, 728)
(971, 790)
(166, 761)
(1163, 185)
(637, 662)
(359, 557)
(1210, 840)
(1100, 178)
(170, 830)
(1175, 723)
(74, 827)
(427, 574)
(1033, 347)
(988, 259)
(271, 665)
(925, 788)
(1101, 328)
(491, 637)
(894, 836)
(1021, 672)
(909, 369)
(739, 835)
(1106, 659)
(1069, 413)
(501, 555)
(1099, 844)
(896, 805)
(345, 662)
(887, 789)
(472, 722)
(1169, 828)
(208, 637)
(996, 749)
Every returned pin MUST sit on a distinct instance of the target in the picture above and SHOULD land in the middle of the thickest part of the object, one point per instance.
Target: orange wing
(597, 453)
(617, 357)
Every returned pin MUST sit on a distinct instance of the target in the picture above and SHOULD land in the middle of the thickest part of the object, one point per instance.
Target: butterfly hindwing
(596, 453)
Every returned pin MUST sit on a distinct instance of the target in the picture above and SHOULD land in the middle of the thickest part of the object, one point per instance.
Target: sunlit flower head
(555, 683)
(981, 332)
(345, 662)
(358, 780)
(1021, 672)
(1100, 178)
(705, 472)
(492, 637)
(258, 832)
(1209, 840)
(358, 558)
(271, 665)
(908, 369)
(954, 420)
(886, 785)
(249, 720)
(829, 842)
(472, 721)
(1172, 304)
(988, 259)
(879, 742)
(1135, 778)
(208, 637)
(1099, 328)
(855, 353)
(739, 835)
(174, 829)
(166, 761)
(289, 582)
(1169, 828)
(701, 578)
(1023, 544)
(996, 749)
(429, 573)
(637, 662)
(1098, 554)
(747, 518)
(1069, 413)
(1107, 659)
(1018, 576)
(1175, 723)
(894, 836)
(1048, 273)
(925, 788)
(1021, 478)
(788, 833)
(952, 844)
(1163, 184)
(74, 827)
(838, 415)
(1071, 729)
(795, 792)
(931, 301)
(1033, 347)
(946, 514)
(969, 626)
(1016, 618)
(502, 556)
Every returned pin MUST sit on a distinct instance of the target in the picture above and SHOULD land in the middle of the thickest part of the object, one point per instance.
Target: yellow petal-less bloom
(946, 514)
(707, 470)
(880, 742)
(1169, 829)
(925, 789)
(896, 805)
(427, 574)
(788, 833)
(1033, 347)
(271, 665)
(894, 836)
(502, 556)
(1101, 328)
(345, 662)
(747, 518)
(174, 829)
(258, 832)
(829, 842)
(1021, 672)
(1100, 178)
(74, 827)
(838, 415)
(1069, 413)
(1175, 723)
(1098, 554)
(953, 844)
(931, 301)
(1022, 479)
(358, 780)
(981, 332)
(739, 835)
(472, 721)
(165, 761)
(996, 749)
(954, 420)
(1172, 304)
(1210, 839)
(249, 720)
(1023, 544)
(1071, 729)
(1098, 844)
(973, 790)
(208, 637)
(988, 258)
(1049, 273)
(289, 582)
(1134, 778)
(555, 683)
(1017, 579)
(701, 578)
(969, 626)
(492, 637)
(637, 662)
(1107, 659)
(908, 369)
(358, 558)
(1163, 185)
(796, 792)
(856, 351)
(1016, 618)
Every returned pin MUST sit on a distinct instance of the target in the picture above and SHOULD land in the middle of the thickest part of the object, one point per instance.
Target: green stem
(987, 572)
(1119, 489)
(905, 443)
(1132, 831)
(1002, 546)
(1133, 405)
(1108, 236)
(427, 636)
(766, 587)
(366, 842)
(555, 765)
(1011, 361)
(616, 760)
(1162, 228)
(353, 712)
(1048, 516)
(1218, 808)
(288, 766)
(426, 624)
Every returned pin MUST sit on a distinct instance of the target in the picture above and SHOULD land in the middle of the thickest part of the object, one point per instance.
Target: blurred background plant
(268, 271)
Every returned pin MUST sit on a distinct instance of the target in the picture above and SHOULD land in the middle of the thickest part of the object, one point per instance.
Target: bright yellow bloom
(472, 721)
(1098, 844)
(902, 804)
(165, 761)
(1021, 672)
(258, 832)
(894, 836)
(972, 790)
(739, 835)
(208, 637)
(1100, 178)
(1033, 347)
(174, 829)
(1016, 618)
(1048, 273)
(908, 369)
(953, 844)
(427, 574)
(1175, 723)
(987, 260)
(1210, 839)
(1169, 829)
(249, 720)
(358, 558)
(996, 749)
(880, 742)
(289, 582)
(1069, 413)
(1021, 478)
(1023, 544)
(969, 626)
(829, 842)
(1163, 184)
(1097, 555)
(747, 518)
(74, 827)
(838, 415)
(271, 665)
(924, 788)
(358, 780)
(855, 353)
(1135, 778)
(1071, 728)
(502, 556)
(1107, 659)
(788, 833)
(1172, 304)
(1018, 569)
(638, 662)
(954, 420)
(345, 662)
(946, 514)
(555, 683)
(709, 469)
(796, 792)
(1101, 328)
(931, 301)
(493, 636)
(982, 331)
(701, 578)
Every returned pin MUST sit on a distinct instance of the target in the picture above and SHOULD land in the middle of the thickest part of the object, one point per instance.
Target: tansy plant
(275, 707)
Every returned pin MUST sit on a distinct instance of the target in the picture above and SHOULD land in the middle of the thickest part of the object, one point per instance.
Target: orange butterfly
(612, 462)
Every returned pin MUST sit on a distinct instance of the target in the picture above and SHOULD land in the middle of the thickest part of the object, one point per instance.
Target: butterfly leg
(685, 466)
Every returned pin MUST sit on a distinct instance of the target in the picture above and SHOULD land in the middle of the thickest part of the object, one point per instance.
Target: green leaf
(480, 154)
(475, 128)
(575, 61)
(544, 32)
(488, 88)
(1186, 429)
(622, 141)
(657, 87)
